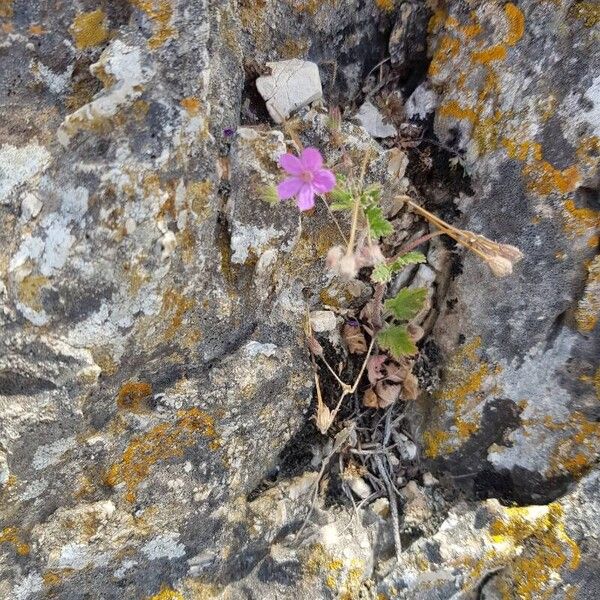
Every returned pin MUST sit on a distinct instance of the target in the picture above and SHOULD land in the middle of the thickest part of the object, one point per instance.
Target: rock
(539, 551)
(291, 85)
(422, 102)
(370, 118)
(323, 320)
(30, 207)
(517, 403)
(408, 40)
(416, 507)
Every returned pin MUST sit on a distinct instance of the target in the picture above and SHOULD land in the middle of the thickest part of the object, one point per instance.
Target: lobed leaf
(383, 273)
(378, 224)
(396, 341)
(407, 303)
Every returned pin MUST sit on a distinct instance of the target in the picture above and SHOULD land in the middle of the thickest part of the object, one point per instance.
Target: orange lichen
(387, 5)
(191, 105)
(10, 535)
(163, 442)
(447, 48)
(588, 308)
(35, 30)
(160, 12)
(516, 23)
(544, 179)
(472, 30)
(174, 308)
(166, 593)
(437, 21)
(488, 55)
(89, 29)
(56, 576)
(133, 396)
(523, 151)
(580, 222)
(588, 151)
(436, 443)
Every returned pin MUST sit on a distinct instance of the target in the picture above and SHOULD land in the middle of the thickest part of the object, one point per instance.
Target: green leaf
(407, 303)
(381, 273)
(371, 194)
(378, 224)
(396, 341)
(410, 258)
(342, 198)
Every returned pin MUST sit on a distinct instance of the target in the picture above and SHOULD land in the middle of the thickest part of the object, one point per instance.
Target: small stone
(30, 207)
(422, 102)
(323, 320)
(168, 243)
(292, 84)
(371, 119)
(360, 487)
(429, 480)
(416, 508)
(381, 507)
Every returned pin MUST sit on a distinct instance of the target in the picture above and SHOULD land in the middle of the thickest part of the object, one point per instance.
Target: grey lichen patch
(19, 165)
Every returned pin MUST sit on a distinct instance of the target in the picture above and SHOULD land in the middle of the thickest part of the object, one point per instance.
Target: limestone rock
(291, 85)
(372, 120)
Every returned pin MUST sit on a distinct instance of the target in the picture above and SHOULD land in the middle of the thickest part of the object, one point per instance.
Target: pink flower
(307, 178)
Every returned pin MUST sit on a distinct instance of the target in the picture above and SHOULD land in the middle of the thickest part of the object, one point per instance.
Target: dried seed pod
(354, 338)
(314, 346)
(324, 418)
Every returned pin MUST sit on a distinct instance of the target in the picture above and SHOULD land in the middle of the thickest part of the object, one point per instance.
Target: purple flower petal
(311, 159)
(306, 197)
(291, 164)
(323, 181)
(289, 187)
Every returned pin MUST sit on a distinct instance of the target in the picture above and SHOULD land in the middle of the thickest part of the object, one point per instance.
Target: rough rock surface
(518, 92)
(152, 365)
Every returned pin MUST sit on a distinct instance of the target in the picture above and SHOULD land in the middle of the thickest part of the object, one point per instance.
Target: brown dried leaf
(324, 418)
(370, 399)
(415, 332)
(397, 372)
(368, 312)
(374, 368)
(354, 338)
(410, 387)
(314, 346)
(388, 393)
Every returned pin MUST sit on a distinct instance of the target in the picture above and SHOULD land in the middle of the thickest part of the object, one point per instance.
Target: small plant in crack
(385, 335)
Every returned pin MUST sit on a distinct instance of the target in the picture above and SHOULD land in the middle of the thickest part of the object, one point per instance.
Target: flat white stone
(323, 320)
(292, 84)
(370, 118)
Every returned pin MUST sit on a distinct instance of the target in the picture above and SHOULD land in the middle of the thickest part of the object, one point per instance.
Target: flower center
(306, 176)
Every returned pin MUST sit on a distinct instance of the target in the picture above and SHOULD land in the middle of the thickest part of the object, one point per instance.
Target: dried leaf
(415, 332)
(388, 393)
(375, 371)
(314, 346)
(396, 372)
(410, 387)
(370, 399)
(354, 338)
(324, 418)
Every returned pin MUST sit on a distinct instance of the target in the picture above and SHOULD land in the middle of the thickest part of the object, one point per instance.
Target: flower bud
(500, 266)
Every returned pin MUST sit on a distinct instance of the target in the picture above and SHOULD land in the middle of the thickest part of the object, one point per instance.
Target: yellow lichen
(10, 535)
(523, 151)
(160, 12)
(464, 387)
(89, 29)
(6, 9)
(588, 12)
(516, 23)
(166, 593)
(29, 291)
(537, 546)
(198, 195)
(163, 442)
(453, 109)
(588, 308)
(134, 395)
(56, 576)
(174, 308)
